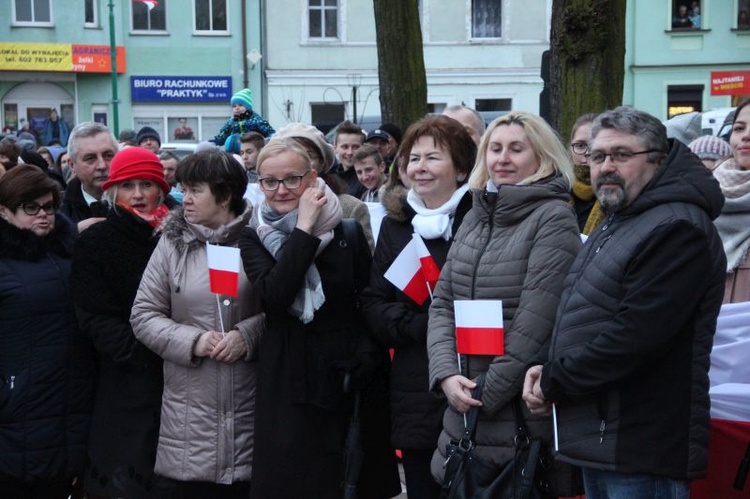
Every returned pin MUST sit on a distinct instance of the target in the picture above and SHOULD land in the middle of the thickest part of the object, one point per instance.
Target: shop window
(32, 12)
(486, 19)
(91, 14)
(149, 15)
(686, 14)
(323, 18)
(182, 129)
(211, 15)
(743, 14)
(683, 99)
(10, 117)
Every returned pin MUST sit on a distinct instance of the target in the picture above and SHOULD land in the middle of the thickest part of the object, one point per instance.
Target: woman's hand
(231, 348)
(206, 343)
(532, 393)
(457, 389)
(311, 203)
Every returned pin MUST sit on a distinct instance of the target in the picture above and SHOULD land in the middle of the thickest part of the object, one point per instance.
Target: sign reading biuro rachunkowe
(65, 57)
(180, 88)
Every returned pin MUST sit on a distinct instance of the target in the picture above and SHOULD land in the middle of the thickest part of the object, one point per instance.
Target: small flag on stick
(414, 271)
(429, 267)
(223, 269)
(479, 327)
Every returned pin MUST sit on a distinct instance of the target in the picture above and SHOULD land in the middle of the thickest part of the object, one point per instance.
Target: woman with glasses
(108, 262)
(515, 245)
(588, 210)
(309, 267)
(46, 365)
(208, 341)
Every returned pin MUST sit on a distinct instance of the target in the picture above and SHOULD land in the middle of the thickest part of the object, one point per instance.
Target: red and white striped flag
(149, 3)
(223, 269)
(479, 327)
(407, 272)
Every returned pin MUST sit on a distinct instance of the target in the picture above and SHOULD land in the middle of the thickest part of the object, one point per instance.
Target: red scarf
(153, 218)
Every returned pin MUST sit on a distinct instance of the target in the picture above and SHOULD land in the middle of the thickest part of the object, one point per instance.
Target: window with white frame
(211, 15)
(32, 12)
(149, 15)
(486, 18)
(686, 14)
(323, 18)
(91, 13)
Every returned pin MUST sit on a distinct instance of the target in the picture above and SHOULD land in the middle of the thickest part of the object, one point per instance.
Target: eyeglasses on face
(619, 157)
(32, 209)
(579, 147)
(290, 182)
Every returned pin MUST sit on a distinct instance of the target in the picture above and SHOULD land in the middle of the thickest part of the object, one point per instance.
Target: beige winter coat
(208, 407)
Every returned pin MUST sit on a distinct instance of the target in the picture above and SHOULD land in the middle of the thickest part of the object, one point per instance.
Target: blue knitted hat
(232, 145)
(243, 97)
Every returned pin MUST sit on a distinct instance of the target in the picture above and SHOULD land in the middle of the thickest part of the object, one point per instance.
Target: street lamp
(354, 80)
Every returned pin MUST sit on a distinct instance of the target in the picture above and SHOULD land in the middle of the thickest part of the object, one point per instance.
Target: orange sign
(730, 82)
(63, 57)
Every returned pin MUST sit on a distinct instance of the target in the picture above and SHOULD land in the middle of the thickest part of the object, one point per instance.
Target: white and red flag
(149, 3)
(479, 327)
(223, 269)
(414, 271)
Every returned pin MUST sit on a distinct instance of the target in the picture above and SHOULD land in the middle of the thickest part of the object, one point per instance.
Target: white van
(712, 120)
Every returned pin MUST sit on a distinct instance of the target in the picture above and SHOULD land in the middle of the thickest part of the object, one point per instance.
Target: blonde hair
(282, 145)
(549, 150)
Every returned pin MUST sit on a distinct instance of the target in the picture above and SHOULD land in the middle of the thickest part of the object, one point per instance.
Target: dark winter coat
(516, 246)
(46, 364)
(302, 411)
(397, 322)
(74, 205)
(108, 264)
(630, 353)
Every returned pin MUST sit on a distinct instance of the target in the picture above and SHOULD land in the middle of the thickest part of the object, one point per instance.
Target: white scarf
(438, 222)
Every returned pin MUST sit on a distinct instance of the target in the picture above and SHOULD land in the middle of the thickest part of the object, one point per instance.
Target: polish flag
(430, 268)
(223, 269)
(407, 274)
(479, 327)
(149, 3)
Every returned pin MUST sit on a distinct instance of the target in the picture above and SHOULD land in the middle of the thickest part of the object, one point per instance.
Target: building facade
(178, 63)
(686, 55)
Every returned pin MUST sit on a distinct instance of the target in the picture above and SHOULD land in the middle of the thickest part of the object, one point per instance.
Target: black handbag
(467, 476)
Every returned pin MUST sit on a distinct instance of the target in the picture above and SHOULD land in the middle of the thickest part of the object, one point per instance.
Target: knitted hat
(145, 132)
(710, 147)
(136, 163)
(392, 130)
(243, 97)
(301, 130)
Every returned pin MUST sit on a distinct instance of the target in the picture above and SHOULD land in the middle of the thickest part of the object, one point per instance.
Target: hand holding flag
(414, 271)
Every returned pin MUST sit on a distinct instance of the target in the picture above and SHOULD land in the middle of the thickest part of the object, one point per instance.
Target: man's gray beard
(613, 201)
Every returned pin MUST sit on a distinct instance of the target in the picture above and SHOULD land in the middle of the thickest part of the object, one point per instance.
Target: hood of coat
(393, 199)
(186, 236)
(513, 203)
(681, 178)
(19, 244)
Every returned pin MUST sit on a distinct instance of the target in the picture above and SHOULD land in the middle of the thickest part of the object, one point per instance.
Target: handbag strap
(470, 428)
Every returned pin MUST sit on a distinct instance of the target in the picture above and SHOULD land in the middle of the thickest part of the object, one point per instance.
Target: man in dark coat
(91, 147)
(628, 365)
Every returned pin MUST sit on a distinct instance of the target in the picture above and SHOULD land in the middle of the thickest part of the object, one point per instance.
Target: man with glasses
(91, 148)
(628, 364)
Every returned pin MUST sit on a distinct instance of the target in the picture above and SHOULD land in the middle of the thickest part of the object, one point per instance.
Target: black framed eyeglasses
(290, 182)
(619, 157)
(31, 209)
(579, 147)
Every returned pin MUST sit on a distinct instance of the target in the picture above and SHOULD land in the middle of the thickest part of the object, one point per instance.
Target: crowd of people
(604, 263)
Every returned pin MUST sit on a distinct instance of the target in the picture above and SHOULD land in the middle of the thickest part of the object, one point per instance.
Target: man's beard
(613, 200)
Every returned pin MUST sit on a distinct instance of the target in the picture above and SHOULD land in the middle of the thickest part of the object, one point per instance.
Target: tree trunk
(403, 82)
(587, 63)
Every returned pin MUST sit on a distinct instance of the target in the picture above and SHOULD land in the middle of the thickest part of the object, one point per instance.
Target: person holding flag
(197, 310)
(504, 276)
(412, 246)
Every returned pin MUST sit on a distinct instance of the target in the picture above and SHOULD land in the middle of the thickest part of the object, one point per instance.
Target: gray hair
(166, 155)
(625, 119)
(83, 131)
(479, 124)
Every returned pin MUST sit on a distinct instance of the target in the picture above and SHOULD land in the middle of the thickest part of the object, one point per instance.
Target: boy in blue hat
(243, 119)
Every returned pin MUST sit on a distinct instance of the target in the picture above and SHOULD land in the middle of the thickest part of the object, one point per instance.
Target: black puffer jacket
(46, 364)
(107, 267)
(630, 352)
(397, 322)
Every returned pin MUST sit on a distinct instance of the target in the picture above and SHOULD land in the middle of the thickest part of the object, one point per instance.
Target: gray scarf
(734, 229)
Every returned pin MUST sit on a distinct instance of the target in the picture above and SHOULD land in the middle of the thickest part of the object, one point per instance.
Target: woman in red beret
(108, 262)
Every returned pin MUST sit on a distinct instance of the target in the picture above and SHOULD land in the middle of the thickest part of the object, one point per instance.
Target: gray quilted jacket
(517, 246)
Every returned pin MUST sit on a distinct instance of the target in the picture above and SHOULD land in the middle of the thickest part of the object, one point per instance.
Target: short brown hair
(367, 151)
(253, 138)
(25, 183)
(10, 149)
(449, 134)
(347, 126)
